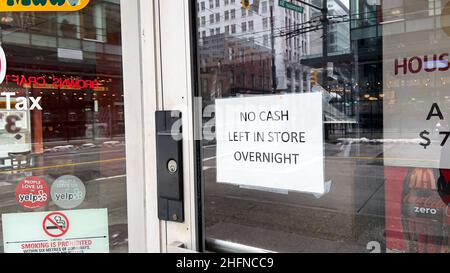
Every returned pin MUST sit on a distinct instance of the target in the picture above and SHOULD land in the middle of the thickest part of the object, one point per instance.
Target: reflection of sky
(346, 3)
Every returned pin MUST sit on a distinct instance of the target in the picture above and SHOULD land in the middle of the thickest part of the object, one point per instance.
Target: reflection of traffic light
(256, 6)
(314, 77)
(246, 4)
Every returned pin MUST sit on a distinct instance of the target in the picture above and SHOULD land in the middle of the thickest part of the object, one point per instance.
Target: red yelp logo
(32, 193)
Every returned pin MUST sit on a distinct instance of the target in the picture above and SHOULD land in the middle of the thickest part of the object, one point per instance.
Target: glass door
(284, 167)
(63, 178)
(323, 125)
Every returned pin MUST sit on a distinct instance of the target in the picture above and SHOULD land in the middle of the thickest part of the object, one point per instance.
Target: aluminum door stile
(175, 92)
(141, 100)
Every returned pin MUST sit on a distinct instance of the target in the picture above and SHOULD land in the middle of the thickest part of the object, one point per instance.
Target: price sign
(416, 99)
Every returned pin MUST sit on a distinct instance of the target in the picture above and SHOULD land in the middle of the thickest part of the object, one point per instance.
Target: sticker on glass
(68, 192)
(32, 193)
(73, 231)
(42, 5)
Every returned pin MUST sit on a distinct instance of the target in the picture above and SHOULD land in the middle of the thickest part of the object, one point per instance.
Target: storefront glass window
(62, 152)
(366, 168)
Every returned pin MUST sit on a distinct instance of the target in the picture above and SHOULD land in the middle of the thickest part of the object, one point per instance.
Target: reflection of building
(226, 16)
(83, 45)
(231, 66)
(338, 34)
(355, 77)
(367, 66)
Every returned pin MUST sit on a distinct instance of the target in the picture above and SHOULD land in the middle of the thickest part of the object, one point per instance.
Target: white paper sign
(271, 141)
(416, 72)
(75, 231)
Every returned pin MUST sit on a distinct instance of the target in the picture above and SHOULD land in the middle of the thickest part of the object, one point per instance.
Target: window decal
(42, 5)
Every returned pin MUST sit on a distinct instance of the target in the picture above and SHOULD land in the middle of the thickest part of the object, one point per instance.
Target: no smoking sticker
(55, 224)
(71, 231)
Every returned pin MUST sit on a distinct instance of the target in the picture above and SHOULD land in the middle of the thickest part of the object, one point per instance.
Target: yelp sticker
(32, 193)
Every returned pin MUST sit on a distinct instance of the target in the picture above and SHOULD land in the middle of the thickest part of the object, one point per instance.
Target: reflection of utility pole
(272, 41)
(325, 23)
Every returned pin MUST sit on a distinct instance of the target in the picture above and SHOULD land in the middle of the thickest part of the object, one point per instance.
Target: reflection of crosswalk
(4, 184)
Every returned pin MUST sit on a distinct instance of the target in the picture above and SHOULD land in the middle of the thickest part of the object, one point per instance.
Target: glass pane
(62, 128)
(365, 170)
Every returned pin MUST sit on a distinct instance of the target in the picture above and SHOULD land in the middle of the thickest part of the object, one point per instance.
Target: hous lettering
(417, 64)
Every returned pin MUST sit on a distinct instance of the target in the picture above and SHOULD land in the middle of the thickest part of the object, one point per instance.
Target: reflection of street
(345, 220)
(102, 169)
